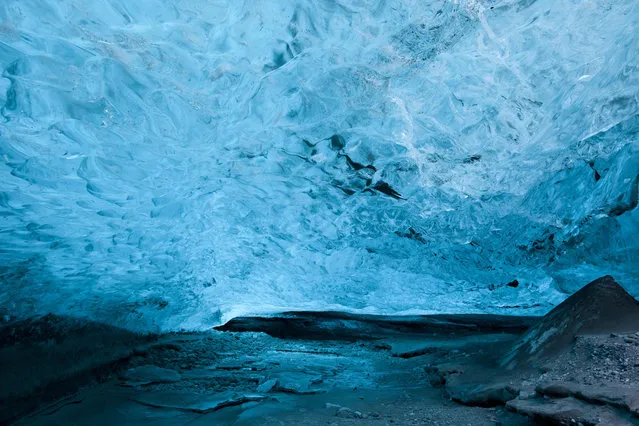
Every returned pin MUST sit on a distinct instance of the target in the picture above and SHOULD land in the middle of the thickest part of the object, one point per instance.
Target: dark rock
(351, 327)
(595, 309)
(620, 396)
(438, 374)
(513, 284)
(563, 411)
(469, 392)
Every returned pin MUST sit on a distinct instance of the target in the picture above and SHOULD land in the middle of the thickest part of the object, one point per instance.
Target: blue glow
(174, 163)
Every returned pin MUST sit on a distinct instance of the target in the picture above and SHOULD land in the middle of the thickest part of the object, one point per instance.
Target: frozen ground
(183, 378)
(169, 164)
(310, 382)
(373, 371)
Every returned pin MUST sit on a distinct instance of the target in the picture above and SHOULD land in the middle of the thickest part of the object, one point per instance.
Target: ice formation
(174, 163)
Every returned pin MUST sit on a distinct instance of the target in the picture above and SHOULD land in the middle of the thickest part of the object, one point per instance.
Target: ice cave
(394, 182)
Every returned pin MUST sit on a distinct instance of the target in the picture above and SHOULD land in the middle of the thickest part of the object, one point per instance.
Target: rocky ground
(311, 368)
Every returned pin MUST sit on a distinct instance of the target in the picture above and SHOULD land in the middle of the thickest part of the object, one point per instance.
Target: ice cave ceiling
(175, 163)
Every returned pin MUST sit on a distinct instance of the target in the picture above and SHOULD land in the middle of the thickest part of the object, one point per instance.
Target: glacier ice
(172, 163)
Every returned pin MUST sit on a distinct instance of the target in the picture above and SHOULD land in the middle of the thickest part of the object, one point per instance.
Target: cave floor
(184, 379)
(313, 369)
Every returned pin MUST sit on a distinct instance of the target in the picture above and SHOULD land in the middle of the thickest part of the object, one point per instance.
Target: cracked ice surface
(171, 163)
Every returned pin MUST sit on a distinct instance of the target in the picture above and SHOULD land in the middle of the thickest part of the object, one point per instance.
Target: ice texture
(173, 163)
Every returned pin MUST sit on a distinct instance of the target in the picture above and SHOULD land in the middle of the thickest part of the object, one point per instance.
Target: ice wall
(175, 162)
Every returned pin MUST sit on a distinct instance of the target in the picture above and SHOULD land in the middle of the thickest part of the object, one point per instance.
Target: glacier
(172, 164)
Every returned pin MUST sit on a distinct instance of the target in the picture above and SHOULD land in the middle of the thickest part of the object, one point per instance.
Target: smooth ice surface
(173, 163)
